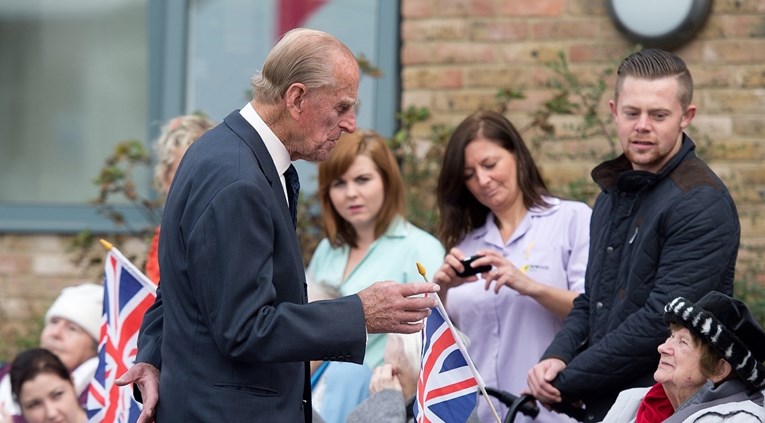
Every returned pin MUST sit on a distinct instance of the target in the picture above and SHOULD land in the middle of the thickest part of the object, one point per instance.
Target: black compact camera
(470, 271)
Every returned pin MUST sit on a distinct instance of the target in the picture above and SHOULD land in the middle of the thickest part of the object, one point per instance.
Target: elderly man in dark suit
(231, 332)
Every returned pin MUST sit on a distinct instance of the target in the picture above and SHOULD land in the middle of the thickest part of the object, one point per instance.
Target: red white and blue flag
(448, 382)
(128, 293)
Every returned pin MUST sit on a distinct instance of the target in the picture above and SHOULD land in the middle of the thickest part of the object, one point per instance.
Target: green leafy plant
(116, 178)
(116, 184)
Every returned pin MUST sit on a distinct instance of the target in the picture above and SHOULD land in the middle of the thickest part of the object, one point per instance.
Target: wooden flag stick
(461, 346)
(139, 275)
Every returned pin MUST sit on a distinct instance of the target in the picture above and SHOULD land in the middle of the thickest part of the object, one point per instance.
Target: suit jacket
(230, 330)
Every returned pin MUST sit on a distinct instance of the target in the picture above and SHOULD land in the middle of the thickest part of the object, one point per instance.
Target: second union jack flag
(128, 293)
(446, 388)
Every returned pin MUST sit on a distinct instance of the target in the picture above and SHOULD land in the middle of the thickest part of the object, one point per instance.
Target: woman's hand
(384, 377)
(504, 273)
(446, 276)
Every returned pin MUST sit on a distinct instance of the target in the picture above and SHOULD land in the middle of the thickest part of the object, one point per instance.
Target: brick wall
(34, 269)
(456, 54)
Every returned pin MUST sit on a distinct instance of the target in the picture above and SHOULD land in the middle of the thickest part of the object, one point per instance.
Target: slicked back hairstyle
(460, 211)
(653, 64)
(302, 55)
(349, 146)
(30, 363)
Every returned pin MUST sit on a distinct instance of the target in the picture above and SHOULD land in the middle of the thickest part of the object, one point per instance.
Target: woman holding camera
(534, 244)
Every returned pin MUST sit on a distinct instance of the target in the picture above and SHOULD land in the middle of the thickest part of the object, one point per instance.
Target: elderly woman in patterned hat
(710, 368)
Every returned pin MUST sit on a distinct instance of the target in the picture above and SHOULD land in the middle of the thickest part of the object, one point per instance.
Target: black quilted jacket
(653, 237)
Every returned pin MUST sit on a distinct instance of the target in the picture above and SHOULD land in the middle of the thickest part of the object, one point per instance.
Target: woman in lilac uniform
(535, 243)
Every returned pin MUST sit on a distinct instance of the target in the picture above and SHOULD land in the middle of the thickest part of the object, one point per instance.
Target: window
(73, 79)
(79, 76)
(229, 39)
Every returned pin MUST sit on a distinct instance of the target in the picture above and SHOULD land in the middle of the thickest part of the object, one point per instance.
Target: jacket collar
(618, 173)
(250, 136)
(398, 228)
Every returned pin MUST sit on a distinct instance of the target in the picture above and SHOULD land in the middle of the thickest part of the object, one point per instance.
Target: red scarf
(655, 407)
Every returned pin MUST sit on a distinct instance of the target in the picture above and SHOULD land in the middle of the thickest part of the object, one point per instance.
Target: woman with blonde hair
(173, 141)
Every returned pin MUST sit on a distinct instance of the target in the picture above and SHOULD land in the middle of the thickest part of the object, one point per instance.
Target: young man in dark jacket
(663, 226)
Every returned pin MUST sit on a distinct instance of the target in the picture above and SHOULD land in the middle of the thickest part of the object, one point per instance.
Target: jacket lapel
(250, 136)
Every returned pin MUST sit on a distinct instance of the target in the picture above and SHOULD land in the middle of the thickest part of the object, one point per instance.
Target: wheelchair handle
(525, 404)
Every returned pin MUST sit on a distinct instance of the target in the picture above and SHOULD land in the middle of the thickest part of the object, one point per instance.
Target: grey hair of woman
(175, 135)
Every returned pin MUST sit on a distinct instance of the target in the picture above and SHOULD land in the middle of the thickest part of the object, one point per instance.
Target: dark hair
(460, 211)
(30, 363)
(350, 146)
(654, 63)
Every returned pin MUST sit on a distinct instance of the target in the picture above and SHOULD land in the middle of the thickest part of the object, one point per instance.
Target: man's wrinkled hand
(391, 307)
(146, 377)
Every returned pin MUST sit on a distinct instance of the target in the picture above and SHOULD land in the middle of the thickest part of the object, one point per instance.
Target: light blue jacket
(393, 256)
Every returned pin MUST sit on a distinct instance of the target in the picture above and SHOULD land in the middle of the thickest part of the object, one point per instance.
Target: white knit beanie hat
(81, 304)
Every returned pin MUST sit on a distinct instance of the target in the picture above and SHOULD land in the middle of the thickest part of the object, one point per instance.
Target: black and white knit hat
(725, 324)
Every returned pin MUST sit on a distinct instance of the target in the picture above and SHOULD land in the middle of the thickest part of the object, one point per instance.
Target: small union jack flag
(128, 293)
(448, 383)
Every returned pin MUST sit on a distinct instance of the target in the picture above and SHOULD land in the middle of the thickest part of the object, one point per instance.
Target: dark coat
(230, 330)
(653, 237)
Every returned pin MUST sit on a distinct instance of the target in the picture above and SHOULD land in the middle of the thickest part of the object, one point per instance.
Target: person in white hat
(72, 330)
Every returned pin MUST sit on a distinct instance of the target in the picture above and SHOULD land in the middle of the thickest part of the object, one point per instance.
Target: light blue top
(338, 389)
(393, 256)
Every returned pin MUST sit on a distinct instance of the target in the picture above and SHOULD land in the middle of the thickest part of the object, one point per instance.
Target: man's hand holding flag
(448, 381)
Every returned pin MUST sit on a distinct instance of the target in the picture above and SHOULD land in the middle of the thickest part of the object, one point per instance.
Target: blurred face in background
(68, 341)
(47, 398)
(358, 194)
(396, 357)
